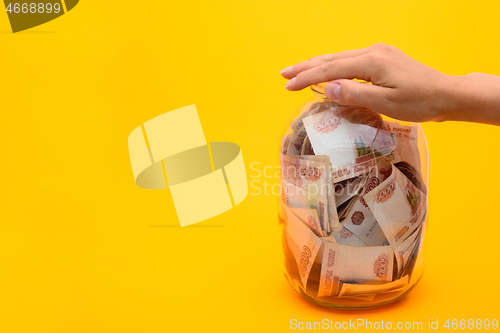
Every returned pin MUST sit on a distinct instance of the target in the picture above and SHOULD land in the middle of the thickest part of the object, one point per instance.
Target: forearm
(473, 98)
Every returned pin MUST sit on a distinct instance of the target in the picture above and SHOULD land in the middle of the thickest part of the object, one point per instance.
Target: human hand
(402, 88)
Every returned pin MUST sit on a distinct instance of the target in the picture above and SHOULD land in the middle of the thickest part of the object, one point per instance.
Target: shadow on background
(193, 226)
(26, 32)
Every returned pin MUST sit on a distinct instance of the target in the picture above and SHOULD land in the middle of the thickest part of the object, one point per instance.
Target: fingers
(292, 71)
(360, 67)
(347, 92)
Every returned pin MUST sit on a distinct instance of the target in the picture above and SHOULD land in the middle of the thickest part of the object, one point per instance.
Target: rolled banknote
(412, 174)
(348, 188)
(347, 264)
(344, 209)
(398, 207)
(316, 179)
(406, 249)
(303, 244)
(414, 259)
(333, 217)
(296, 141)
(306, 147)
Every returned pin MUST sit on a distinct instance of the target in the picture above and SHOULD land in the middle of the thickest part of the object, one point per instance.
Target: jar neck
(319, 93)
(319, 89)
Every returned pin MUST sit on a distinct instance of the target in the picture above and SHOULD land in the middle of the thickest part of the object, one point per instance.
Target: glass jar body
(353, 205)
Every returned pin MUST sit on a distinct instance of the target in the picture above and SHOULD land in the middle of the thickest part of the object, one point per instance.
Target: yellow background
(83, 249)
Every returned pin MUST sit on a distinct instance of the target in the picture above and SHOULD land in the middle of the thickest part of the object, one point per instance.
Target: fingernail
(289, 83)
(332, 90)
(286, 69)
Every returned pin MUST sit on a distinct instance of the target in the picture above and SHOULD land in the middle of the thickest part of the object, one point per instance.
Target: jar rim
(319, 88)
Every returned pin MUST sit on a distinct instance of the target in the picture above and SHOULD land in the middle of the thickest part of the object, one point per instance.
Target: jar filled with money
(353, 204)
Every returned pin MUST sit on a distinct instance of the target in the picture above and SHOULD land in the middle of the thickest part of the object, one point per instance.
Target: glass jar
(353, 204)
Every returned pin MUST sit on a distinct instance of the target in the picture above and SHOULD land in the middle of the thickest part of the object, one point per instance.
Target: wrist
(449, 98)
(473, 97)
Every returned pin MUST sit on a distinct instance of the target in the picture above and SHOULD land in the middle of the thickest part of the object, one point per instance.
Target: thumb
(348, 92)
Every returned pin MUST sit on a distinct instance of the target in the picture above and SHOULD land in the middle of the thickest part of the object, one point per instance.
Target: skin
(402, 88)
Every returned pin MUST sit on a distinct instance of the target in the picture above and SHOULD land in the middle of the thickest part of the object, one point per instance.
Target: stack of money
(353, 202)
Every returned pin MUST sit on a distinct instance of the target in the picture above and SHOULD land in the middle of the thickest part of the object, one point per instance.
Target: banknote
(333, 216)
(360, 219)
(332, 238)
(289, 168)
(346, 237)
(285, 143)
(363, 297)
(303, 244)
(309, 109)
(297, 123)
(344, 209)
(312, 173)
(393, 157)
(290, 165)
(414, 260)
(348, 135)
(369, 133)
(348, 188)
(416, 267)
(306, 147)
(297, 137)
(297, 197)
(412, 174)
(406, 138)
(405, 251)
(296, 141)
(398, 207)
(317, 174)
(308, 216)
(352, 170)
(347, 264)
(329, 136)
(349, 290)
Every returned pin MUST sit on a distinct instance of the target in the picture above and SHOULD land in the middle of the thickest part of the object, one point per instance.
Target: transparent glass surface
(353, 204)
